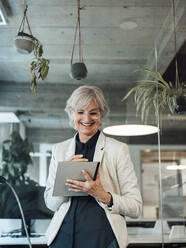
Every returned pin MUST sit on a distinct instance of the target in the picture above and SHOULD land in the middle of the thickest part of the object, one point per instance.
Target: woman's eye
(80, 112)
(93, 113)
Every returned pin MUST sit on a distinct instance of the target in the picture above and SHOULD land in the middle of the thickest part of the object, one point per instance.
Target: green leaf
(33, 85)
(39, 67)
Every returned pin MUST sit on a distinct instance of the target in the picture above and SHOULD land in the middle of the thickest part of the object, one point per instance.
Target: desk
(139, 241)
(23, 242)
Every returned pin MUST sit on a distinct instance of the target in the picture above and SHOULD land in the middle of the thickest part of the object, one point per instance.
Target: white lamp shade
(131, 130)
(176, 167)
(8, 117)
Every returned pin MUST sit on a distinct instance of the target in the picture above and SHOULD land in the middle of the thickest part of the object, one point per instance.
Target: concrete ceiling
(111, 52)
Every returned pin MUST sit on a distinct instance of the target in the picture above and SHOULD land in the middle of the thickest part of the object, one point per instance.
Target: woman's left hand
(93, 188)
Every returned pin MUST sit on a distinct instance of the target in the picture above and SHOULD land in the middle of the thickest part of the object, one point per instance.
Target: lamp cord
(159, 155)
(175, 45)
(21, 211)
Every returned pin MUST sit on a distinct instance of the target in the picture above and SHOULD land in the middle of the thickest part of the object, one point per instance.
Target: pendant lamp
(131, 130)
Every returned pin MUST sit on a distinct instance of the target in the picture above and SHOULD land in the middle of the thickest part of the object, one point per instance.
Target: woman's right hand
(78, 158)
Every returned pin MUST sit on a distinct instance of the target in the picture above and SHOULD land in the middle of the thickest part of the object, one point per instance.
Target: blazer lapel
(99, 148)
(71, 148)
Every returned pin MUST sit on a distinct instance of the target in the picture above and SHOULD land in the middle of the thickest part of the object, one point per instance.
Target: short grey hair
(81, 98)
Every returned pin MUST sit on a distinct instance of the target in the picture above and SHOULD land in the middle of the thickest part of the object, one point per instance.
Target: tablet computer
(72, 170)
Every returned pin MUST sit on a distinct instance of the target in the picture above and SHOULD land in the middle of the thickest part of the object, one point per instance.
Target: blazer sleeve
(52, 202)
(129, 201)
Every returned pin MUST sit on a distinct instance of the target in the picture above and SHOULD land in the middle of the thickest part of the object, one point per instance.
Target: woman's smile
(86, 124)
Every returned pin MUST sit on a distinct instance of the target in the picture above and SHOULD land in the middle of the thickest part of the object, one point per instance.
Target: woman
(96, 220)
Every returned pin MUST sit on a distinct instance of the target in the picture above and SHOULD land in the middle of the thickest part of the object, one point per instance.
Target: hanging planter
(155, 93)
(78, 69)
(181, 103)
(23, 42)
(26, 43)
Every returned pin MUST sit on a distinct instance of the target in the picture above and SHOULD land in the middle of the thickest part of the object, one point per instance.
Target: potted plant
(158, 94)
(26, 43)
(14, 164)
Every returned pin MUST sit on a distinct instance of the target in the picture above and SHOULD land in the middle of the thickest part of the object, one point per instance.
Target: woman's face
(87, 121)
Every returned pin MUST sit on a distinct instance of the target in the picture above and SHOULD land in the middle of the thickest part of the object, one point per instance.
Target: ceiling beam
(51, 98)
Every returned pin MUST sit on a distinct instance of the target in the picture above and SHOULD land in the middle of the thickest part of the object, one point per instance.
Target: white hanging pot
(78, 71)
(24, 43)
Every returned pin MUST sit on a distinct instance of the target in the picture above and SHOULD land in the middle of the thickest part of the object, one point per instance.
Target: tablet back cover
(72, 170)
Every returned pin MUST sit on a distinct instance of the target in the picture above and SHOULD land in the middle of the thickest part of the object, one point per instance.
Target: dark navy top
(85, 224)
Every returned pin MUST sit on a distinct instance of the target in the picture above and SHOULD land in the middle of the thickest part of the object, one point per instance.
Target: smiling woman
(111, 196)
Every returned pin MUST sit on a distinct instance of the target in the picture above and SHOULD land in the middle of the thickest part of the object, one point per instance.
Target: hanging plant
(26, 43)
(155, 93)
(39, 67)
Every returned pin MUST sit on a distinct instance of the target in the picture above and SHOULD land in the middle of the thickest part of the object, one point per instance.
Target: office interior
(118, 38)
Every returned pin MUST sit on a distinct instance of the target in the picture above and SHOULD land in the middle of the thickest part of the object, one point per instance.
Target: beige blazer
(117, 176)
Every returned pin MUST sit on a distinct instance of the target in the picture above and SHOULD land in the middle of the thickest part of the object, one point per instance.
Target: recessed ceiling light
(128, 25)
(130, 130)
(8, 117)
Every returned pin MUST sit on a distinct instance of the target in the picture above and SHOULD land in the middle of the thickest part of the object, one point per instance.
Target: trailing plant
(26, 43)
(156, 93)
(15, 160)
(39, 67)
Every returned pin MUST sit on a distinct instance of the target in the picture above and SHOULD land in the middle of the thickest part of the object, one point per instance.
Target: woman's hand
(93, 188)
(77, 158)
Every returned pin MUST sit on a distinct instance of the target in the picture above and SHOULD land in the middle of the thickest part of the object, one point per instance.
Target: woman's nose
(86, 117)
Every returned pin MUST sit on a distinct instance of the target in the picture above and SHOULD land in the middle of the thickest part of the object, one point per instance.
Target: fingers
(75, 183)
(76, 186)
(86, 175)
(77, 158)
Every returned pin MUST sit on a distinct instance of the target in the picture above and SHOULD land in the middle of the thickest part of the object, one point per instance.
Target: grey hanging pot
(24, 43)
(78, 71)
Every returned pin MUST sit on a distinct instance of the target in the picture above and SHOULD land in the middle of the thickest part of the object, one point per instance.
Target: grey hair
(81, 98)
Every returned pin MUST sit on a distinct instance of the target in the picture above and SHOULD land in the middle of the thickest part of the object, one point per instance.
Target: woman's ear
(72, 120)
